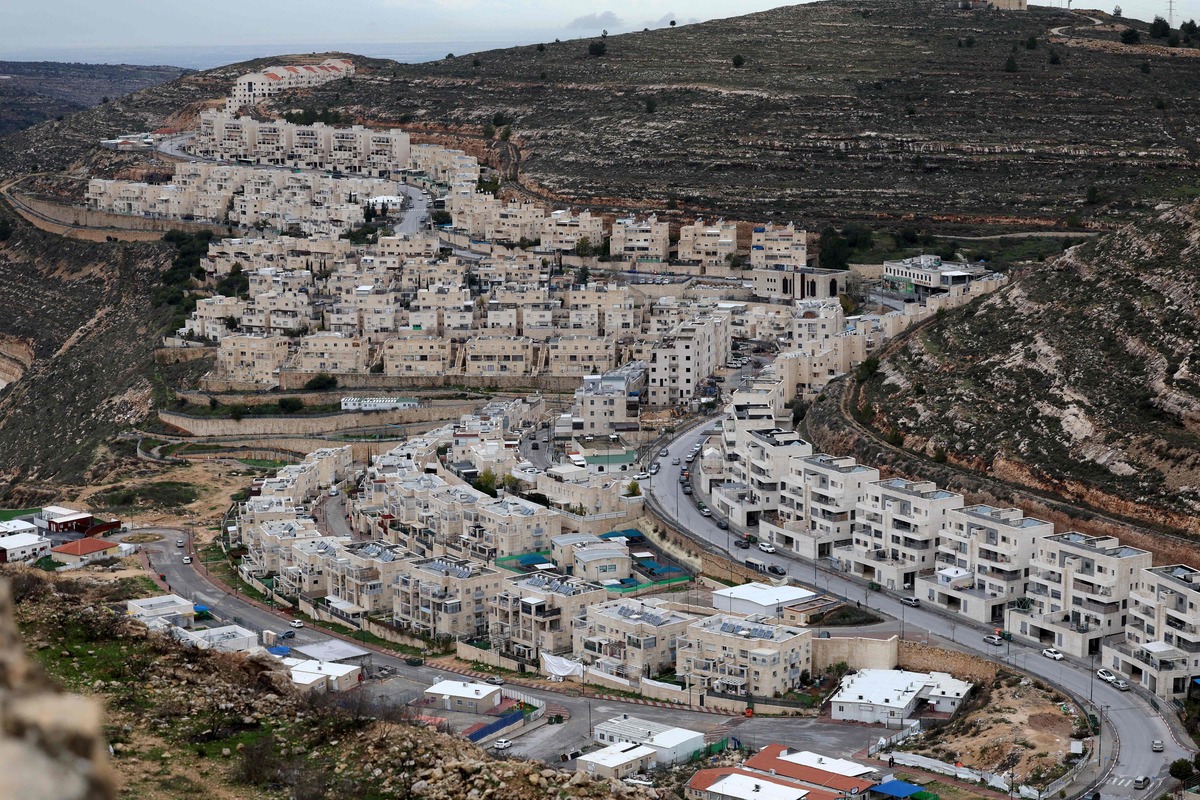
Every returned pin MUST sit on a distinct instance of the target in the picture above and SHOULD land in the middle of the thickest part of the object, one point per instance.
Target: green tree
(489, 130)
(506, 133)
(1130, 36)
(512, 484)
(633, 490)
(1181, 769)
(1160, 28)
(584, 247)
(1031, 43)
(290, 405)
(835, 250)
(597, 49)
(476, 63)
(541, 48)
(651, 105)
(486, 482)
(739, 60)
(1011, 64)
(1055, 58)
(5, 229)
(321, 382)
(583, 276)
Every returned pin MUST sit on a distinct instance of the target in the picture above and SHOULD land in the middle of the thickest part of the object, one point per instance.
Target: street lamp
(1092, 679)
(1100, 734)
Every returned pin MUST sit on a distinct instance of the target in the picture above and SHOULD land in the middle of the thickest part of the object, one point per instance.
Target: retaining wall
(77, 216)
(858, 653)
(316, 424)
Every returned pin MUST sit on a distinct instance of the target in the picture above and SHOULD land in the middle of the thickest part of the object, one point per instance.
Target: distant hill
(35, 91)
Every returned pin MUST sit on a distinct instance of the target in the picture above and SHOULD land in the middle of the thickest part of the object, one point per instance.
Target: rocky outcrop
(51, 744)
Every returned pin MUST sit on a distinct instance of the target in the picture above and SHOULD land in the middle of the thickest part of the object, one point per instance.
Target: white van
(755, 564)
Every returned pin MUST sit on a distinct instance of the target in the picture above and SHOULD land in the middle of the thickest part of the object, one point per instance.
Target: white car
(766, 547)
(501, 744)
(706, 512)
(654, 469)
(333, 491)
(187, 559)
(675, 461)
(664, 452)
(639, 780)
(1050, 652)
(296, 623)
(1106, 675)
(641, 476)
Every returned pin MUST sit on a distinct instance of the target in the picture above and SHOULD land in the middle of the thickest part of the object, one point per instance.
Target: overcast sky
(41, 28)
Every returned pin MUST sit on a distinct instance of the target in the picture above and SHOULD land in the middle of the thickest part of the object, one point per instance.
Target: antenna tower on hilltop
(1171, 13)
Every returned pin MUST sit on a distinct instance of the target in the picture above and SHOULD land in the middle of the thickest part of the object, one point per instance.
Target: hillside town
(621, 512)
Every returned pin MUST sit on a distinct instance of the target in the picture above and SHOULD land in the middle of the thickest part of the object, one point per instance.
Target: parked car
(501, 744)
(1120, 684)
(691, 457)
(912, 602)
(296, 623)
(638, 780)
(741, 544)
(766, 547)
(179, 542)
(414, 661)
(1156, 746)
(687, 488)
(496, 680)
(775, 569)
(187, 559)
(706, 512)
(1050, 652)
(1106, 675)
(641, 476)
(722, 524)
(333, 491)
(285, 635)
(993, 639)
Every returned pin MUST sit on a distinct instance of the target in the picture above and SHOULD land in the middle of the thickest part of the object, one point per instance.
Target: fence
(539, 706)
(496, 727)
(886, 742)
(710, 750)
(992, 779)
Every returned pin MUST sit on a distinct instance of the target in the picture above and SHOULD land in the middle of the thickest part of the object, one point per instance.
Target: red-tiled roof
(293, 70)
(768, 759)
(705, 778)
(273, 76)
(84, 547)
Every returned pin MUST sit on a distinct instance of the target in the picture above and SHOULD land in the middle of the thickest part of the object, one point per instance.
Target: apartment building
(254, 87)
(778, 247)
(1078, 592)
(682, 360)
(252, 358)
(606, 405)
(896, 532)
(267, 543)
(636, 239)
(534, 614)
(444, 597)
(331, 352)
(982, 562)
(920, 277)
(579, 355)
(631, 638)
(1161, 647)
(499, 355)
(753, 469)
(212, 317)
(514, 222)
(708, 245)
(743, 656)
(514, 525)
(302, 565)
(359, 579)
(563, 230)
(417, 355)
(818, 497)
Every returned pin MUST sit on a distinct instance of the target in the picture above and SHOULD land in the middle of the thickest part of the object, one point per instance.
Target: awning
(896, 789)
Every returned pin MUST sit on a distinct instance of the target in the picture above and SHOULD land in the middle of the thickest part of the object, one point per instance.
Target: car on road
(285, 635)
(706, 512)
(912, 602)
(1156, 746)
(993, 640)
(722, 524)
(1120, 684)
(641, 476)
(675, 462)
(535, 446)
(654, 468)
(179, 542)
(1050, 652)
(775, 569)
(691, 457)
(687, 488)
(187, 559)
(766, 547)
(1106, 675)
(333, 491)
(664, 452)
(496, 680)
(501, 744)
(1141, 782)
(741, 544)
(296, 623)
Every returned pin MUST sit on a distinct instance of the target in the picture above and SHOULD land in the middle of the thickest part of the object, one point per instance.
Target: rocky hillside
(883, 109)
(35, 91)
(1082, 377)
(185, 723)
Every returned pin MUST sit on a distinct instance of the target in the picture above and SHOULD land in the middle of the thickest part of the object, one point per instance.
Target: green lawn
(9, 514)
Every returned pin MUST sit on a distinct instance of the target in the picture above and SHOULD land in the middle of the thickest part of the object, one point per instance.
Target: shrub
(1160, 28)
(1130, 36)
(290, 405)
(1181, 769)
(1011, 64)
(597, 49)
(321, 382)
(651, 105)
(739, 60)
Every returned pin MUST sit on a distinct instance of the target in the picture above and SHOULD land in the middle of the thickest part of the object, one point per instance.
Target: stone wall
(468, 652)
(70, 216)
(920, 657)
(316, 424)
(290, 380)
(858, 652)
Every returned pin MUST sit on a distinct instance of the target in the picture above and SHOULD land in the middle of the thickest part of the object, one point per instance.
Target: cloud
(593, 21)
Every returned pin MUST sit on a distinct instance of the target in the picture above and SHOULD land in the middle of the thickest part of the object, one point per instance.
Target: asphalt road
(1134, 721)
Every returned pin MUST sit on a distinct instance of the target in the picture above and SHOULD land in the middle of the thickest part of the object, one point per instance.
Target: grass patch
(162, 494)
(9, 514)
(48, 563)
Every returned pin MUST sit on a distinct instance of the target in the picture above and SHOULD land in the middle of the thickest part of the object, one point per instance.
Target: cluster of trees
(308, 116)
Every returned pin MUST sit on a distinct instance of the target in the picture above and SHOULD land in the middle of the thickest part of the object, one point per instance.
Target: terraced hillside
(1083, 378)
(880, 109)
